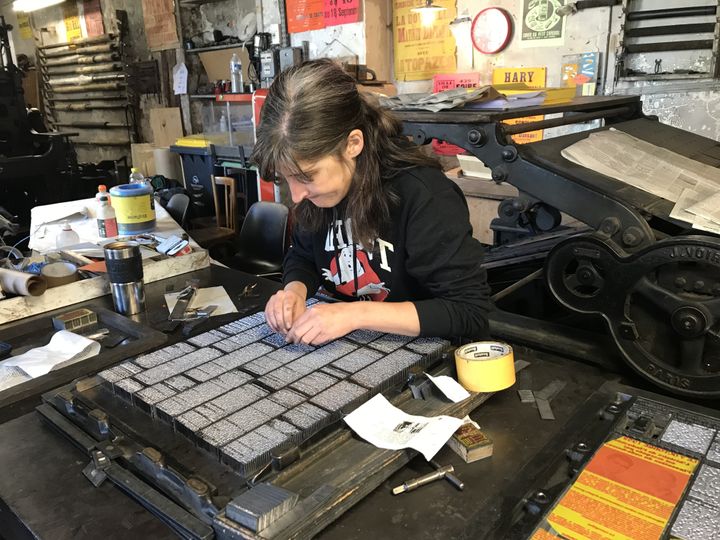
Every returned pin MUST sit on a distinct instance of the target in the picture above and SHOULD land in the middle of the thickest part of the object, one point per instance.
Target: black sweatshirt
(425, 254)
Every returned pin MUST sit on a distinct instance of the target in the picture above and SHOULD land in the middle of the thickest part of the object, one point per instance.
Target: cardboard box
(217, 63)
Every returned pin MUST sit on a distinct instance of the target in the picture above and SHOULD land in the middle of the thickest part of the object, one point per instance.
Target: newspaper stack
(449, 99)
(693, 186)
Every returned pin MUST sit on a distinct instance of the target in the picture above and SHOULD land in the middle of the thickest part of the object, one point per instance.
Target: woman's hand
(324, 322)
(284, 308)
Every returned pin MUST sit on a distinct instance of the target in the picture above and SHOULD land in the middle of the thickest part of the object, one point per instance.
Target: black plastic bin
(198, 166)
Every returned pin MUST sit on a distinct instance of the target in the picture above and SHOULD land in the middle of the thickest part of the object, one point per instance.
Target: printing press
(133, 446)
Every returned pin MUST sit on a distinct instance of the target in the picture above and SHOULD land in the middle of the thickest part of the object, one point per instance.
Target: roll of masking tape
(485, 366)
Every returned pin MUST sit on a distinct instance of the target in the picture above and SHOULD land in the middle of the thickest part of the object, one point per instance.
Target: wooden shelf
(213, 48)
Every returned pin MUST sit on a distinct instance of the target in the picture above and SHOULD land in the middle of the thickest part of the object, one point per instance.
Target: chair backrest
(225, 197)
(264, 230)
(177, 207)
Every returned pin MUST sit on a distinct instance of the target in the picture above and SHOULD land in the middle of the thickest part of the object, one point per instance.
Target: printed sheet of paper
(679, 179)
(385, 426)
(452, 389)
(180, 78)
(64, 348)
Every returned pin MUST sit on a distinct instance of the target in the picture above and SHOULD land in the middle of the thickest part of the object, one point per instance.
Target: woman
(375, 218)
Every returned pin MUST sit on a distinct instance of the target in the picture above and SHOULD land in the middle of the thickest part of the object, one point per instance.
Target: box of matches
(471, 443)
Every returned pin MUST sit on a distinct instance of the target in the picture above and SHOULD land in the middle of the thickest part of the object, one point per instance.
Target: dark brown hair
(309, 112)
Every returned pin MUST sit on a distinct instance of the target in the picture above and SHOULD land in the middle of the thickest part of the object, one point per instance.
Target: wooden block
(470, 443)
(166, 124)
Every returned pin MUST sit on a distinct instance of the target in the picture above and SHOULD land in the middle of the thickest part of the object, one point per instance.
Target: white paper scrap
(452, 389)
(180, 78)
(64, 348)
(385, 426)
(208, 296)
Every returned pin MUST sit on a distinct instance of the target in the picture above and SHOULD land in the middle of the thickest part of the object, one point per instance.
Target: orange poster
(628, 491)
(531, 77)
(304, 15)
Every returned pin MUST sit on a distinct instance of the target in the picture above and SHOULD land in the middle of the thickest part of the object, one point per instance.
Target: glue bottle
(66, 237)
(106, 221)
(102, 190)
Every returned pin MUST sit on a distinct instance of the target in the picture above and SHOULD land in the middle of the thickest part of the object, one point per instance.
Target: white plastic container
(66, 237)
(106, 220)
(102, 190)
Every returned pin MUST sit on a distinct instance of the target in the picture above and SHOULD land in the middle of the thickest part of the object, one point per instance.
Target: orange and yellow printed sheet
(627, 491)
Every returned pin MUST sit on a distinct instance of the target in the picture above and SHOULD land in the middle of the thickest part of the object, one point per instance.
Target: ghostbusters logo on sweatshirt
(350, 270)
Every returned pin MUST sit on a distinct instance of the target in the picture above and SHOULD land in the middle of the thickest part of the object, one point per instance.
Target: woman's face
(326, 181)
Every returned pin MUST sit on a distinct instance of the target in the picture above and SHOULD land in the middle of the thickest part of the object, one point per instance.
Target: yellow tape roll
(485, 366)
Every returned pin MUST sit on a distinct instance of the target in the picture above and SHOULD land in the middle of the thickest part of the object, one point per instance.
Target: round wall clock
(491, 30)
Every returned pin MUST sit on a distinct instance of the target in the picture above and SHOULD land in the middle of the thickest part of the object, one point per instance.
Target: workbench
(44, 494)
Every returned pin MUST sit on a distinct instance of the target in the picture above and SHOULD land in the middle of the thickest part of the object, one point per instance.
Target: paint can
(134, 207)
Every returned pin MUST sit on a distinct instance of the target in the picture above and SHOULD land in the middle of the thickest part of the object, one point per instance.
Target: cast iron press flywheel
(662, 304)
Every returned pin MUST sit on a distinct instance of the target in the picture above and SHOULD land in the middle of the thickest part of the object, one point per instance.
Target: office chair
(262, 240)
(177, 207)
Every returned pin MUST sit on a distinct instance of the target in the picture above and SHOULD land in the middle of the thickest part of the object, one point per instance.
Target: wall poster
(531, 77)
(542, 25)
(423, 48)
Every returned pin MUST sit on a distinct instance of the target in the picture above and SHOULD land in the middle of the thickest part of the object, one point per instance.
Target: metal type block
(308, 418)
(180, 383)
(714, 451)
(233, 453)
(544, 409)
(389, 342)
(253, 334)
(261, 366)
(191, 398)
(343, 395)
(706, 487)
(314, 383)
(364, 336)
(127, 387)
(241, 325)
(244, 355)
(116, 373)
(290, 352)
(272, 382)
(357, 360)
(248, 418)
(693, 437)
(269, 407)
(292, 433)
(231, 402)
(276, 340)
(178, 365)
(260, 506)
(155, 393)
(387, 371)
(287, 398)
(227, 345)
(193, 420)
(335, 372)
(205, 372)
(230, 380)
(424, 345)
(163, 355)
(207, 338)
(221, 433)
(696, 521)
(337, 348)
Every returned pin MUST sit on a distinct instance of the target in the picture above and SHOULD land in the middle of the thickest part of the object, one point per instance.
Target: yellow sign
(532, 77)
(23, 20)
(73, 30)
(424, 44)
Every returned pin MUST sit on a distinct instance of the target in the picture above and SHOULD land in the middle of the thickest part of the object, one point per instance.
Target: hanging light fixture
(27, 6)
(428, 12)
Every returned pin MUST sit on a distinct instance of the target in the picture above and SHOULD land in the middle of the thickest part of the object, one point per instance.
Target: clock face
(491, 30)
